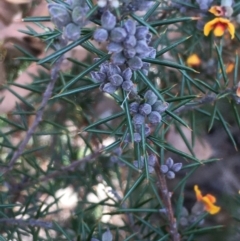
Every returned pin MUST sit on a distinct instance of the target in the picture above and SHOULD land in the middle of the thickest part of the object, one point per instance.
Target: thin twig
(46, 96)
(29, 222)
(164, 194)
(60, 171)
(207, 99)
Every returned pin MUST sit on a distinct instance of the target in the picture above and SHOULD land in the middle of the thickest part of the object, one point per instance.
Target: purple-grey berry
(60, 16)
(118, 58)
(130, 42)
(145, 109)
(79, 15)
(113, 69)
(114, 159)
(137, 137)
(150, 97)
(118, 34)
(130, 26)
(147, 130)
(170, 175)
(127, 74)
(100, 35)
(138, 119)
(169, 162)
(109, 88)
(118, 151)
(72, 32)
(152, 159)
(160, 106)
(152, 53)
(135, 63)
(116, 80)
(164, 168)
(154, 117)
(141, 47)
(133, 108)
(108, 20)
(127, 85)
(176, 167)
(98, 76)
(148, 38)
(141, 32)
(113, 47)
(129, 53)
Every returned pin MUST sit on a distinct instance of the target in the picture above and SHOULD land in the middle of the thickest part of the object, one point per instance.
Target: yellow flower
(230, 68)
(208, 201)
(217, 10)
(193, 60)
(219, 25)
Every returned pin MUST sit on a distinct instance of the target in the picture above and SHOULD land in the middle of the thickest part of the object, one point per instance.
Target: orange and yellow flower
(217, 10)
(219, 25)
(193, 60)
(208, 201)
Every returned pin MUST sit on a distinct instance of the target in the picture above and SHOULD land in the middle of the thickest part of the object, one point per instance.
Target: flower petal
(209, 206)
(231, 29)
(198, 193)
(219, 29)
(209, 26)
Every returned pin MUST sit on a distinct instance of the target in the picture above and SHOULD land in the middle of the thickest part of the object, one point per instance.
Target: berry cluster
(69, 18)
(151, 160)
(112, 77)
(152, 108)
(170, 168)
(127, 43)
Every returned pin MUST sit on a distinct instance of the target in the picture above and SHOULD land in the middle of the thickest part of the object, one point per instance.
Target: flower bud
(130, 41)
(138, 119)
(59, 15)
(72, 32)
(169, 162)
(127, 85)
(137, 137)
(116, 80)
(113, 47)
(78, 15)
(98, 76)
(118, 34)
(109, 88)
(150, 97)
(118, 58)
(141, 47)
(145, 109)
(141, 32)
(152, 159)
(129, 53)
(160, 106)
(133, 108)
(127, 74)
(164, 168)
(154, 117)
(176, 167)
(135, 63)
(147, 130)
(108, 20)
(170, 175)
(130, 26)
(113, 69)
(100, 35)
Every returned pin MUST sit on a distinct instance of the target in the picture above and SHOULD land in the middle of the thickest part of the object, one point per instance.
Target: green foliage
(68, 149)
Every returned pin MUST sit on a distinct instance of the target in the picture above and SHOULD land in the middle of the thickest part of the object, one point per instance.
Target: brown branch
(46, 96)
(164, 194)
